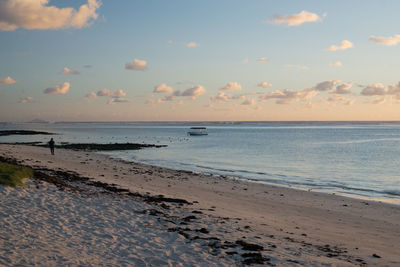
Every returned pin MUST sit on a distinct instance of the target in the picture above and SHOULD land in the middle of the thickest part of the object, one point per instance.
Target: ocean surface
(356, 159)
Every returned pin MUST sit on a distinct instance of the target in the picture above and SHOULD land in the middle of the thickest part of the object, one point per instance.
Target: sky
(209, 60)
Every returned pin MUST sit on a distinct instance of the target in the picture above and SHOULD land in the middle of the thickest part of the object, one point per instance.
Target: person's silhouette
(51, 145)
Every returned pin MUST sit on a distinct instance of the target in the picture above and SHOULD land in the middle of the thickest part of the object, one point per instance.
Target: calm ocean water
(354, 159)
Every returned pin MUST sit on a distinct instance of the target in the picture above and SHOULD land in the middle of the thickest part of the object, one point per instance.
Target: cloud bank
(374, 89)
(288, 96)
(38, 15)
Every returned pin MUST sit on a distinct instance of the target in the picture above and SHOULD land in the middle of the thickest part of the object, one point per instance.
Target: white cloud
(288, 96)
(68, 71)
(245, 61)
(118, 100)
(91, 95)
(192, 92)
(25, 100)
(104, 92)
(379, 90)
(341, 99)
(295, 19)
(118, 93)
(7, 80)
(61, 89)
(37, 14)
(137, 64)
(379, 101)
(346, 44)
(248, 102)
(335, 64)
(107, 92)
(389, 41)
(220, 98)
(341, 89)
(327, 85)
(264, 85)
(192, 44)
(374, 89)
(262, 59)
(394, 89)
(232, 86)
(163, 88)
(301, 67)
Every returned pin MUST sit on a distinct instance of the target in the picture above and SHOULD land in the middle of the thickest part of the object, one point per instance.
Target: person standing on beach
(51, 145)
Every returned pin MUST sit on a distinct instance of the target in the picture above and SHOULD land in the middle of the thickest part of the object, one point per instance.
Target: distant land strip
(93, 146)
(22, 132)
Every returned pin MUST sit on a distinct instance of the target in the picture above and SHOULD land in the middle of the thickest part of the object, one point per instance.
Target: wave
(392, 192)
(359, 141)
(295, 181)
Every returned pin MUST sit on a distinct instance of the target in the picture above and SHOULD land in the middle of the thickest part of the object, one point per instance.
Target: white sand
(293, 226)
(48, 227)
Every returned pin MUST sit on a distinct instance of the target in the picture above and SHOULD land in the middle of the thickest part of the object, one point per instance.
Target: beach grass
(12, 175)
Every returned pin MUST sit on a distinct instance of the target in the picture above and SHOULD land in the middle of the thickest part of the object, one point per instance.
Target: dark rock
(189, 218)
(249, 246)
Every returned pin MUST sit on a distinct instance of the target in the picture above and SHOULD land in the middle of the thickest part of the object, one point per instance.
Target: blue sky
(226, 33)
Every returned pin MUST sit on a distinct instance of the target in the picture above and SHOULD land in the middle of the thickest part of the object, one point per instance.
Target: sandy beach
(200, 220)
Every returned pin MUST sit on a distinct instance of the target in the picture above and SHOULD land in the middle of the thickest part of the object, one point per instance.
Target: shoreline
(297, 225)
(389, 201)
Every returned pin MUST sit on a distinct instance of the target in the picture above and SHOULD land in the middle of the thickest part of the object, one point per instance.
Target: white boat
(198, 131)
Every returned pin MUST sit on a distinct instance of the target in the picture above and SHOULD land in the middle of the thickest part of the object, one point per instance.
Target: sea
(354, 159)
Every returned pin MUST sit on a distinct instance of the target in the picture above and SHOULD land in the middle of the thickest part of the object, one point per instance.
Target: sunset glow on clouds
(97, 59)
(295, 19)
(137, 64)
(389, 41)
(37, 14)
(7, 80)
(61, 89)
(343, 46)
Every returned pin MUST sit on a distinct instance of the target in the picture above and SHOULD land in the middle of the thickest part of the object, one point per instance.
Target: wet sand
(233, 220)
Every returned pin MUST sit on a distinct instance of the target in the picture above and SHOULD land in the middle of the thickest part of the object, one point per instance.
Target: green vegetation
(12, 175)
